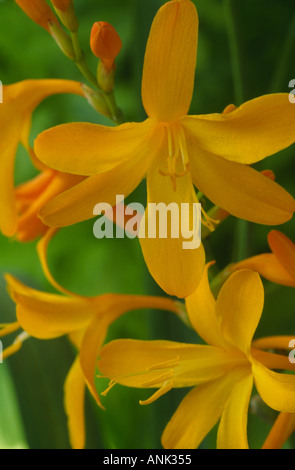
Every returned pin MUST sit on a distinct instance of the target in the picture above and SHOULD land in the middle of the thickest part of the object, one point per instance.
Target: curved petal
(239, 307)
(47, 316)
(176, 269)
(42, 248)
(8, 212)
(74, 399)
(198, 412)
(276, 390)
(88, 149)
(280, 432)
(149, 364)
(201, 311)
(170, 61)
(232, 430)
(78, 203)
(273, 342)
(271, 360)
(284, 250)
(239, 189)
(269, 267)
(255, 130)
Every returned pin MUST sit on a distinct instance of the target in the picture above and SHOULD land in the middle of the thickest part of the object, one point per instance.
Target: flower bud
(66, 13)
(38, 11)
(62, 5)
(96, 100)
(105, 43)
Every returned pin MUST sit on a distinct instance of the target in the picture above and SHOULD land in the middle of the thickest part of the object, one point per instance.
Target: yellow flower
(86, 320)
(174, 151)
(278, 266)
(19, 102)
(223, 371)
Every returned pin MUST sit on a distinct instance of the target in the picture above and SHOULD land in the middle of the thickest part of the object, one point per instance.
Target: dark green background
(31, 383)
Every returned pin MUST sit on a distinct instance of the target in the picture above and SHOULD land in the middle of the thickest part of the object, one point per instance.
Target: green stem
(285, 58)
(242, 226)
(114, 112)
(80, 61)
(235, 50)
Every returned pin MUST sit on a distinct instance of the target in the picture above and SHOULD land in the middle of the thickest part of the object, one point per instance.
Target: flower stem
(235, 50)
(242, 226)
(285, 58)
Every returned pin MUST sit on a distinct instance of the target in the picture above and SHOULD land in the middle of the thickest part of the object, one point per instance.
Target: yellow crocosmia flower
(278, 266)
(19, 102)
(86, 320)
(174, 150)
(222, 372)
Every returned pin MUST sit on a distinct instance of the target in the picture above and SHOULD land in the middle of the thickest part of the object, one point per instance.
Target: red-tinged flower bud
(62, 5)
(105, 43)
(38, 11)
(229, 109)
(269, 174)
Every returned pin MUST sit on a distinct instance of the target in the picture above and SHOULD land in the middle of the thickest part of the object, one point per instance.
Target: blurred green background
(31, 383)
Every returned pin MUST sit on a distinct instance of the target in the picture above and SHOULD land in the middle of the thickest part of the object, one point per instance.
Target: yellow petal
(273, 342)
(201, 311)
(198, 412)
(48, 316)
(269, 267)
(284, 250)
(88, 149)
(78, 203)
(239, 189)
(276, 390)
(271, 360)
(146, 364)
(170, 61)
(8, 214)
(74, 405)
(239, 307)
(232, 430)
(176, 269)
(255, 130)
(280, 432)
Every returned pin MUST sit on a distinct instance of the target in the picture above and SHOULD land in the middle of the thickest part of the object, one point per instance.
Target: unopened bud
(269, 174)
(229, 109)
(96, 99)
(38, 11)
(105, 43)
(62, 5)
(66, 13)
